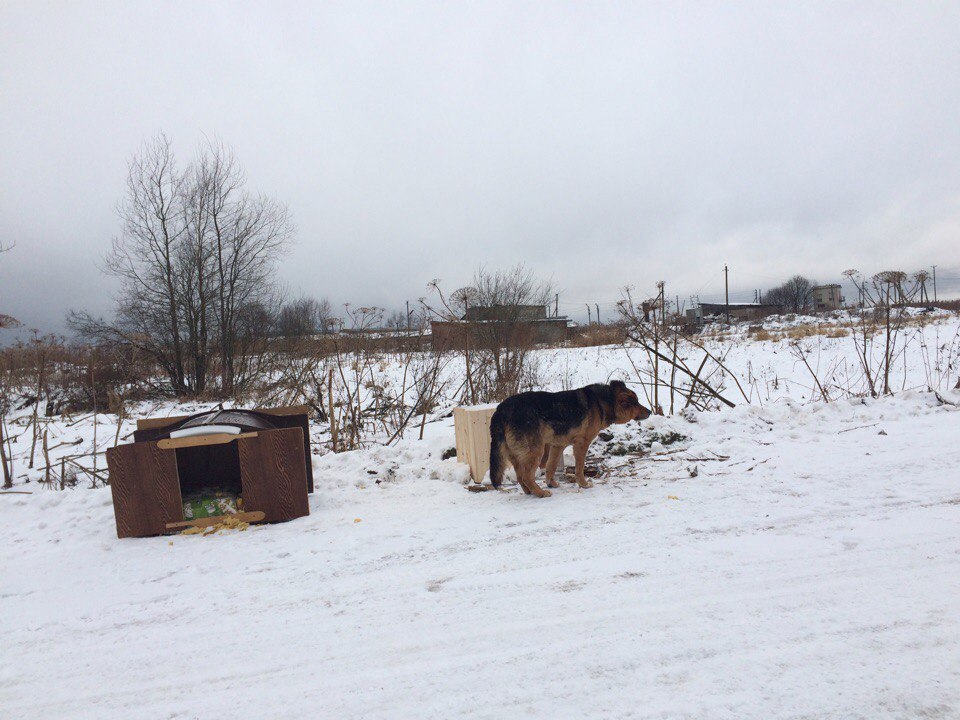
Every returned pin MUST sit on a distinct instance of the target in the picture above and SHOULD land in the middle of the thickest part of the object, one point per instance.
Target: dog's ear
(618, 385)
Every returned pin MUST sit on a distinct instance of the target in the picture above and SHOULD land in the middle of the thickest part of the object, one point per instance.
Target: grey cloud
(603, 144)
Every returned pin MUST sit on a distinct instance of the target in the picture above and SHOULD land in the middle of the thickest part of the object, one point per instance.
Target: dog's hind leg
(529, 475)
(555, 456)
(518, 469)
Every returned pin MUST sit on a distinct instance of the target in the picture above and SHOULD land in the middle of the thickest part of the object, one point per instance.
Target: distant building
(511, 313)
(486, 325)
(738, 311)
(826, 297)
(695, 315)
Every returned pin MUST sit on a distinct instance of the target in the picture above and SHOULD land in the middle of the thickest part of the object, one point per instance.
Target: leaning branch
(684, 369)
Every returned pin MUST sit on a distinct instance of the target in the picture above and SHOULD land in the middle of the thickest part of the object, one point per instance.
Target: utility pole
(556, 305)
(661, 301)
(934, 283)
(408, 316)
(589, 321)
(726, 287)
(598, 313)
(663, 304)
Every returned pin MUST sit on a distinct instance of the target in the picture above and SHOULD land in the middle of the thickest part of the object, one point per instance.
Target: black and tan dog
(533, 425)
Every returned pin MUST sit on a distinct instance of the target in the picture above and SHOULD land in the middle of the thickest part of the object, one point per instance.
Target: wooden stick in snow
(333, 417)
(7, 469)
(46, 457)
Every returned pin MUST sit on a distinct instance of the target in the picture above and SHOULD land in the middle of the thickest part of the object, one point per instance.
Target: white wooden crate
(472, 429)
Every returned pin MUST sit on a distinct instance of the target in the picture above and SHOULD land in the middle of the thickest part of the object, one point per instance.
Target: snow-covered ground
(814, 573)
(927, 356)
(784, 559)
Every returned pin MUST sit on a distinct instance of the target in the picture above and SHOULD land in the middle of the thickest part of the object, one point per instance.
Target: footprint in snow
(436, 585)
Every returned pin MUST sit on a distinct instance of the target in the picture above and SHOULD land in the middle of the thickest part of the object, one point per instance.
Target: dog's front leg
(556, 455)
(580, 455)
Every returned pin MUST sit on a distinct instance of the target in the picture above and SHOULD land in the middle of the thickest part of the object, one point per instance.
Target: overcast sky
(603, 144)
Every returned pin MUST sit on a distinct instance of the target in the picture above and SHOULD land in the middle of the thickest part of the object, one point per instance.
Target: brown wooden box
(284, 417)
(273, 466)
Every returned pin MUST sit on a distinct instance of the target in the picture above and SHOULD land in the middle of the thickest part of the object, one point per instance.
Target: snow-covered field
(790, 559)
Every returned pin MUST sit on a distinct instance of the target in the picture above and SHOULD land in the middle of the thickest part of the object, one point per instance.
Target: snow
(788, 558)
(813, 573)
(926, 357)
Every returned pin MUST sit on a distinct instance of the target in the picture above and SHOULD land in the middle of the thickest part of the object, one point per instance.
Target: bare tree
(497, 313)
(323, 317)
(397, 320)
(196, 259)
(247, 234)
(795, 295)
(147, 259)
(304, 316)
(510, 299)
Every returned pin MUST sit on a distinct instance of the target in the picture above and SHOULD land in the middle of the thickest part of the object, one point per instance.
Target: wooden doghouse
(472, 430)
(268, 466)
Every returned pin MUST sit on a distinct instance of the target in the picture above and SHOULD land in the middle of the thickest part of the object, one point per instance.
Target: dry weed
(804, 331)
(593, 335)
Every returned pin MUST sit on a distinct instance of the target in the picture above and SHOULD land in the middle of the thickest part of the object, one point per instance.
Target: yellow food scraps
(672, 497)
(228, 522)
(231, 523)
(356, 520)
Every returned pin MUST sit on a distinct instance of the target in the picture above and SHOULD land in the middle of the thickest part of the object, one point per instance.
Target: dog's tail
(498, 450)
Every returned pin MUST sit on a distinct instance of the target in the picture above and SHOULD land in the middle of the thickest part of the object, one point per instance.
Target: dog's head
(626, 404)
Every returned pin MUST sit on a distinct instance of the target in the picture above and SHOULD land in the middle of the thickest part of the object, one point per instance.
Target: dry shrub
(593, 335)
(830, 331)
(73, 377)
(953, 305)
(761, 335)
(803, 331)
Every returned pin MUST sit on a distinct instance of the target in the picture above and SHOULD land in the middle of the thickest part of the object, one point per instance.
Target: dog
(533, 425)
